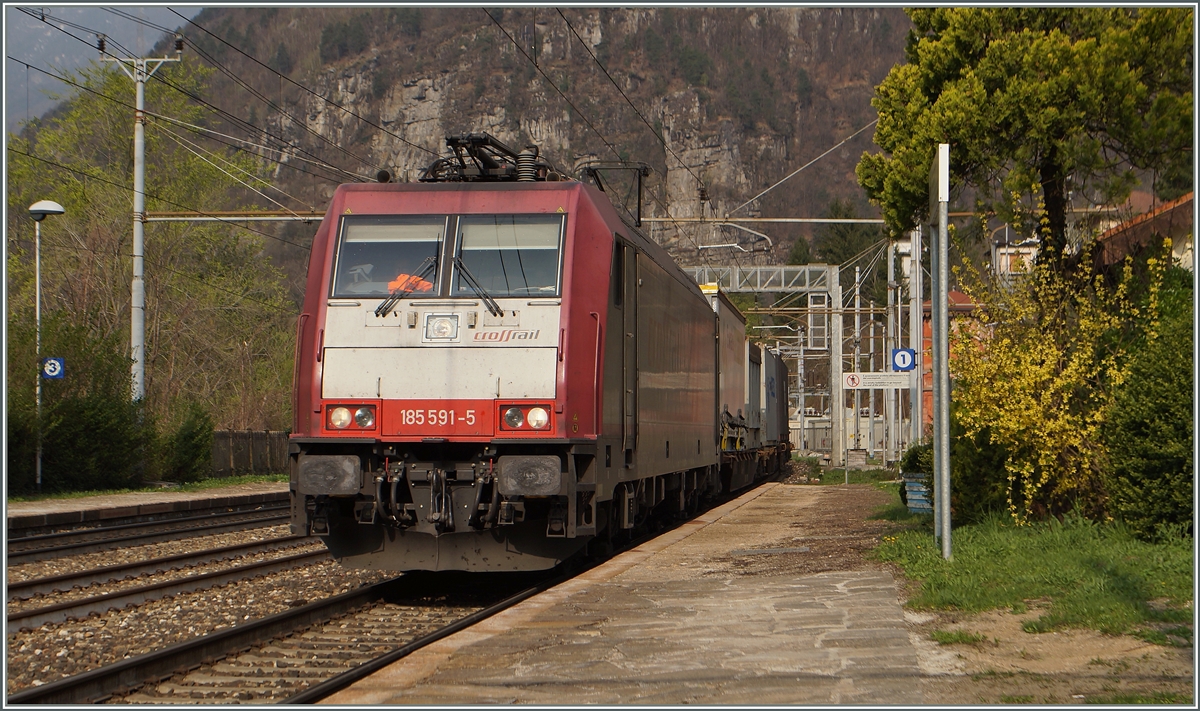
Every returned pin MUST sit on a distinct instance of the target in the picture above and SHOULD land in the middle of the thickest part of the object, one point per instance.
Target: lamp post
(38, 212)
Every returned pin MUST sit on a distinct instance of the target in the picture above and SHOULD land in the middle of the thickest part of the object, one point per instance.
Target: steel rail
(100, 683)
(172, 534)
(330, 686)
(102, 603)
(57, 583)
(169, 522)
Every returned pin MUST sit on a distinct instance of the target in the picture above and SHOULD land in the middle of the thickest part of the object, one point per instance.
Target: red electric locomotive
(493, 369)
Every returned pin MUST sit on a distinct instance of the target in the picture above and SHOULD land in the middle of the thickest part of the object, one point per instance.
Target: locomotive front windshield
(510, 255)
(379, 255)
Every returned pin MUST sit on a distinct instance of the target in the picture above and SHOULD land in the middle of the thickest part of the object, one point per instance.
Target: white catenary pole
(939, 198)
(139, 70)
(916, 339)
(38, 212)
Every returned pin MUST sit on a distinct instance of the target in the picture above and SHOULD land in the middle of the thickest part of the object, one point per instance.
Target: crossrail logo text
(507, 334)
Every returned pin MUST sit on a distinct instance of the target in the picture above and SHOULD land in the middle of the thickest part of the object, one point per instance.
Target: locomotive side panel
(676, 403)
(753, 397)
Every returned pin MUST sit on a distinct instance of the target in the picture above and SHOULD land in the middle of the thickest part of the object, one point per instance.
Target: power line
(127, 105)
(278, 161)
(814, 160)
(301, 86)
(83, 248)
(552, 84)
(97, 178)
(627, 99)
(187, 145)
(237, 121)
(589, 124)
(275, 107)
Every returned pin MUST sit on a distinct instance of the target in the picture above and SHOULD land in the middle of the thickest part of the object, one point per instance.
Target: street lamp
(38, 212)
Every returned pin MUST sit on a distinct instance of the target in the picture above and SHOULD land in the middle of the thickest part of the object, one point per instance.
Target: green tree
(840, 243)
(1036, 103)
(1149, 429)
(218, 320)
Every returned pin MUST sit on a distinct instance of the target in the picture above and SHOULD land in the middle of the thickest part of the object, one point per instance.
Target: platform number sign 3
(903, 359)
(53, 368)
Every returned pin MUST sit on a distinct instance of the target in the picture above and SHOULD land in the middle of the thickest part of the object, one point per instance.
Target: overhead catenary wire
(246, 125)
(130, 106)
(278, 109)
(187, 145)
(590, 125)
(220, 111)
(627, 99)
(212, 61)
(569, 102)
(242, 144)
(301, 86)
(797, 171)
(163, 266)
(216, 218)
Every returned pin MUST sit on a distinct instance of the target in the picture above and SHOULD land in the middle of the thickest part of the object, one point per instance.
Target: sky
(30, 40)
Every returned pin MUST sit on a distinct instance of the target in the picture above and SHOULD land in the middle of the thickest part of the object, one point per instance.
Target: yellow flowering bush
(1036, 367)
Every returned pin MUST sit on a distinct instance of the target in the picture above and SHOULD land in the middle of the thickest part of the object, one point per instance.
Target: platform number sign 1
(903, 359)
(53, 368)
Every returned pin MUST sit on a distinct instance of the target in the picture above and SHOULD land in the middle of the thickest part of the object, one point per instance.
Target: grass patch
(863, 476)
(1169, 637)
(1018, 699)
(1094, 576)
(203, 484)
(957, 637)
(1158, 697)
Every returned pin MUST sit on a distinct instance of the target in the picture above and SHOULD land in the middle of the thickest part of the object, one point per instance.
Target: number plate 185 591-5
(438, 418)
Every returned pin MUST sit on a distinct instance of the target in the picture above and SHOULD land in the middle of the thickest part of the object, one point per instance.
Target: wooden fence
(249, 452)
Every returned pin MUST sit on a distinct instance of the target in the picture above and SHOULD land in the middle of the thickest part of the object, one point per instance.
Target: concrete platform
(676, 621)
(107, 507)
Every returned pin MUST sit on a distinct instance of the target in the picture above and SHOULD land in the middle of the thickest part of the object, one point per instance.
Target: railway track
(26, 589)
(81, 607)
(321, 647)
(88, 540)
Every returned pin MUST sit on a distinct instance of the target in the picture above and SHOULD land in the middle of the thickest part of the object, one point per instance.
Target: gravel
(87, 561)
(58, 650)
(38, 601)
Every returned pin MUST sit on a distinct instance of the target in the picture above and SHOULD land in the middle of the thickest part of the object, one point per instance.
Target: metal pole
(137, 337)
(137, 306)
(939, 181)
(916, 338)
(871, 392)
(802, 336)
(942, 373)
(37, 309)
(857, 356)
(889, 395)
(836, 349)
(935, 297)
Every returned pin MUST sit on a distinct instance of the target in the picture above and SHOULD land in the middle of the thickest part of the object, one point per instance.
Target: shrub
(1149, 428)
(188, 455)
(282, 60)
(694, 64)
(343, 39)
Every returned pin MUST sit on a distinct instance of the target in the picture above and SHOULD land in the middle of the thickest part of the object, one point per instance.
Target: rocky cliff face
(740, 97)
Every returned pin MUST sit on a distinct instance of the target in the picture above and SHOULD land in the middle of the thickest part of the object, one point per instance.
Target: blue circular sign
(903, 359)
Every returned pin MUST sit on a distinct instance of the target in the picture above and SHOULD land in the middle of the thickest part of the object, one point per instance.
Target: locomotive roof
(598, 199)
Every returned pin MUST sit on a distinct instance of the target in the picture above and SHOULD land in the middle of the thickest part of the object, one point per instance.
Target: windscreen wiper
(492, 307)
(390, 302)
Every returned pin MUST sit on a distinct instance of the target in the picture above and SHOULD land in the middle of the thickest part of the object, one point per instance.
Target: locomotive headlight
(364, 417)
(537, 418)
(339, 418)
(441, 327)
(513, 417)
